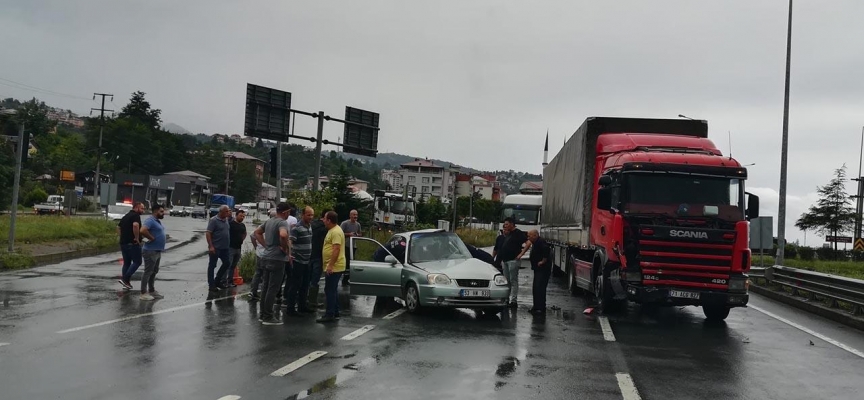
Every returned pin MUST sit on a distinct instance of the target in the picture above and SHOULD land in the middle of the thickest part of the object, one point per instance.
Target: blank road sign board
(267, 113)
(762, 233)
(361, 140)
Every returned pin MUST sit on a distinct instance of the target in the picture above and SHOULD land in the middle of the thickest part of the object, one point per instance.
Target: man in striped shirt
(301, 253)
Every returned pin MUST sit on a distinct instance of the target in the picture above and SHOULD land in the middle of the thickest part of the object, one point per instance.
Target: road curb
(833, 314)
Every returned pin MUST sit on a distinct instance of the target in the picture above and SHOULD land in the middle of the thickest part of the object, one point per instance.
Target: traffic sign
(267, 113)
(838, 239)
(361, 133)
(67, 175)
(859, 244)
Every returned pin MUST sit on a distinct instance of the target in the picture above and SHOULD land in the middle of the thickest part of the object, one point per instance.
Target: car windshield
(523, 214)
(119, 209)
(402, 207)
(435, 246)
(685, 195)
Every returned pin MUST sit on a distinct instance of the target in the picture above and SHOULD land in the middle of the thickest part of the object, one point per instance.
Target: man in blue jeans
(155, 233)
(218, 244)
(129, 230)
(319, 232)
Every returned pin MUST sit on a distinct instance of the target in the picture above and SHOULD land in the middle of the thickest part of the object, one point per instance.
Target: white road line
(607, 329)
(806, 330)
(628, 388)
(230, 397)
(395, 314)
(357, 333)
(4, 344)
(299, 363)
(136, 316)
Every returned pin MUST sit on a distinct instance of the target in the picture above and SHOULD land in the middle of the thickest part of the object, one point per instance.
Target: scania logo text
(688, 234)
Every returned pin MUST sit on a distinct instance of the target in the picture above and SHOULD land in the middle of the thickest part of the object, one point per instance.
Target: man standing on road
(154, 232)
(273, 234)
(129, 230)
(351, 228)
(334, 256)
(218, 242)
(496, 259)
(319, 232)
(237, 234)
(259, 270)
(301, 250)
(542, 269)
(511, 247)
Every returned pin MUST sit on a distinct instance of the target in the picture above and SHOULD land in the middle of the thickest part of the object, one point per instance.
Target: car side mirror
(752, 206)
(391, 260)
(604, 198)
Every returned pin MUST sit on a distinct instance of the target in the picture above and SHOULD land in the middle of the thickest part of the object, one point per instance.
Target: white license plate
(683, 295)
(474, 293)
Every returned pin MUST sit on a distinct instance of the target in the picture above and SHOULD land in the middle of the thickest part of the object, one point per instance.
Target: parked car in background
(117, 211)
(198, 212)
(180, 211)
(428, 268)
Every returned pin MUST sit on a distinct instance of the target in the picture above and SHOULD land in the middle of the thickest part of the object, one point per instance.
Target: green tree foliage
(139, 110)
(35, 196)
(486, 211)
(34, 115)
(833, 213)
(429, 212)
(345, 200)
(319, 201)
(245, 186)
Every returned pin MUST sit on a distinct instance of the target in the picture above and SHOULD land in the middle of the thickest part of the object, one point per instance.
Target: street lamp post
(781, 214)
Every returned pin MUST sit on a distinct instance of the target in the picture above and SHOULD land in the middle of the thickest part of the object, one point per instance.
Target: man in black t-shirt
(129, 230)
(508, 252)
(236, 236)
(542, 267)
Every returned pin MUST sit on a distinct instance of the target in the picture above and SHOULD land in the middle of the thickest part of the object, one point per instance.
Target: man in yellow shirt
(333, 256)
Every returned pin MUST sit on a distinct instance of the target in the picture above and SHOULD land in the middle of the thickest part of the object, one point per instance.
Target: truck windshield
(523, 214)
(402, 207)
(688, 195)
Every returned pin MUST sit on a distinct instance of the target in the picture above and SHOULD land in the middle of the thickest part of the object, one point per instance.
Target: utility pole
(97, 181)
(14, 210)
(784, 155)
(859, 204)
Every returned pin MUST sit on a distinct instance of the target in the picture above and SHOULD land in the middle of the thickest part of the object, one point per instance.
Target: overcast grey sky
(476, 82)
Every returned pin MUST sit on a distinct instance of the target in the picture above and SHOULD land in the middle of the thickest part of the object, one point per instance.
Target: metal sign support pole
(320, 136)
(278, 172)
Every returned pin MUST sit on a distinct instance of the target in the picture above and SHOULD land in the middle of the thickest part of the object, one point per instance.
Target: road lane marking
(299, 363)
(806, 330)
(136, 316)
(628, 388)
(230, 397)
(395, 314)
(357, 333)
(607, 329)
(4, 344)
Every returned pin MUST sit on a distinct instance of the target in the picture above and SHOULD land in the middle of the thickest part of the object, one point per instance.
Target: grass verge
(40, 229)
(849, 269)
(477, 237)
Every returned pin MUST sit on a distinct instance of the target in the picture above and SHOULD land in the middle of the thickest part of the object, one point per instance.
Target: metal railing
(815, 285)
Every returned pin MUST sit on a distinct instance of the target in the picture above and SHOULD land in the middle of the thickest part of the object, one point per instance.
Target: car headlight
(438, 279)
(500, 280)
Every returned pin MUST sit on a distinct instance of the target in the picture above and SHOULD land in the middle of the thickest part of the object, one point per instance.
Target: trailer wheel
(571, 282)
(715, 312)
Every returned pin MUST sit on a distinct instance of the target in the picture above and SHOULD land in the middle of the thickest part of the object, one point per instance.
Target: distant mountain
(174, 128)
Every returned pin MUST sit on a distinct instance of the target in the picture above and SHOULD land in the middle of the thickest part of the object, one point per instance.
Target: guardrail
(815, 285)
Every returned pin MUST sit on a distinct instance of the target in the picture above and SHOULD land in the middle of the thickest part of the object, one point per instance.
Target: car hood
(471, 268)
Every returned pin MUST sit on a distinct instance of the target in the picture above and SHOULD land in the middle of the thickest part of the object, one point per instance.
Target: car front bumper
(448, 296)
(661, 295)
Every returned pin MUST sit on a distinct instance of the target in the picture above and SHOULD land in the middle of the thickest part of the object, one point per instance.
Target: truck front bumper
(664, 296)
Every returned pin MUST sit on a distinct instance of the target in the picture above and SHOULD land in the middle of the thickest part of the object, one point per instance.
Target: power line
(24, 86)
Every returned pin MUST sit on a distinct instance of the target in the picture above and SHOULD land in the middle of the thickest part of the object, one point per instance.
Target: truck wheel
(715, 312)
(571, 283)
(605, 297)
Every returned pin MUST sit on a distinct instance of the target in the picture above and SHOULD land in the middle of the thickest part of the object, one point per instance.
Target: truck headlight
(739, 284)
(438, 279)
(500, 280)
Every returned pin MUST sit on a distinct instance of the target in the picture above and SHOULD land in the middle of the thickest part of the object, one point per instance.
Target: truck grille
(686, 262)
(473, 283)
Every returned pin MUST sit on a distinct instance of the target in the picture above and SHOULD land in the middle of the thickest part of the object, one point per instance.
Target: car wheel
(412, 298)
(715, 312)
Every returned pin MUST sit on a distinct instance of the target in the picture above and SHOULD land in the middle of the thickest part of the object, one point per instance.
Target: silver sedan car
(428, 268)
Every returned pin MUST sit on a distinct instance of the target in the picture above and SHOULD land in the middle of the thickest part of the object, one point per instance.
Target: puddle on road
(347, 372)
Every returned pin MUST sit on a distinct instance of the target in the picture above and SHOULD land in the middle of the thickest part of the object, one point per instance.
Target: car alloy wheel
(412, 298)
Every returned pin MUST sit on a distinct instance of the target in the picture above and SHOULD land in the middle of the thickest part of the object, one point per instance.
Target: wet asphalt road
(68, 332)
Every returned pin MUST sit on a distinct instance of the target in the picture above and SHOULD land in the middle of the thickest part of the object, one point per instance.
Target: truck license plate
(474, 293)
(683, 295)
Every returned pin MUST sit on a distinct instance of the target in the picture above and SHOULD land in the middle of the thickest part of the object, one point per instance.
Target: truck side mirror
(605, 180)
(752, 206)
(604, 198)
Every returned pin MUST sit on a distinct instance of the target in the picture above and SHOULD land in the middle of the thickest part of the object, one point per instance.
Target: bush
(247, 266)
(86, 205)
(807, 253)
(829, 254)
(790, 251)
(36, 196)
(15, 261)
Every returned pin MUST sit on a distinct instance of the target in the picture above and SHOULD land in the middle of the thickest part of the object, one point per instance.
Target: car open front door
(371, 275)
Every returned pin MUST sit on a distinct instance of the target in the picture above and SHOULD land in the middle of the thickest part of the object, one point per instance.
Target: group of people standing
(510, 246)
(298, 254)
